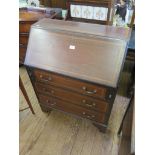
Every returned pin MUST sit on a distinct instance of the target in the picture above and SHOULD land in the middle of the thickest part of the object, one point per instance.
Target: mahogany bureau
(27, 17)
(75, 67)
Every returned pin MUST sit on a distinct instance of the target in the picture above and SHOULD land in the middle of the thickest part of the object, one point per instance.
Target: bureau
(75, 67)
(27, 17)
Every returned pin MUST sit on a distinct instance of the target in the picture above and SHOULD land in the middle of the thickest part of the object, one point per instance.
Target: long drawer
(70, 83)
(71, 108)
(75, 98)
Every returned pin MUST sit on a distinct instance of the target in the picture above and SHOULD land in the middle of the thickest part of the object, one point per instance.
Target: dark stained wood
(69, 79)
(70, 83)
(24, 27)
(87, 29)
(25, 95)
(71, 108)
(44, 89)
(75, 98)
(95, 58)
(27, 17)
(54, 3)
(101, 127)
(32, 14)
(23, 38)
(22, 52)
(97, 2)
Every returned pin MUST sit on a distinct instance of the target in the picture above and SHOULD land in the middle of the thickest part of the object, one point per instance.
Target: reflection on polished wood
(98, 55)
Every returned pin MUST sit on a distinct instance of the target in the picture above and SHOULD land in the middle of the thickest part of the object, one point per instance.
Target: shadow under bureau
(75, 67)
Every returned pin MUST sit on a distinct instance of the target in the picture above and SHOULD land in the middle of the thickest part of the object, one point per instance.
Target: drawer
(85, 101)
(75, 98)
(23, 39)
(22, 53)
(72, 84)
(25, 26)
(71, 108)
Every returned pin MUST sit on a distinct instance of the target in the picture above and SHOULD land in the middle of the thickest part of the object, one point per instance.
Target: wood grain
(98, 53)
(84, 101)
(27, 17)
(56, 133)
(69, 83)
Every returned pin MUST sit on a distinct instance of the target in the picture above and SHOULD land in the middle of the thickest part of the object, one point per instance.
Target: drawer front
(75, 98)
(71, 108)
(23, 39)
(25, 26)
(22, 53)
(72, 84)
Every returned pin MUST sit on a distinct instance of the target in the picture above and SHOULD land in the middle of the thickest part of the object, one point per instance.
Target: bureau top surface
(88, 52)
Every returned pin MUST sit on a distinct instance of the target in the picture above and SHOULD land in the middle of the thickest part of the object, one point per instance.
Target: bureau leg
(45, 109)
(101, 128)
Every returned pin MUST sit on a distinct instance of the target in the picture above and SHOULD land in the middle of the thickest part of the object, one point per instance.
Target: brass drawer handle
(88, 116)
(44, 79)
(89, 105)
(52, 104)
(88, 91)
(20, 44)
